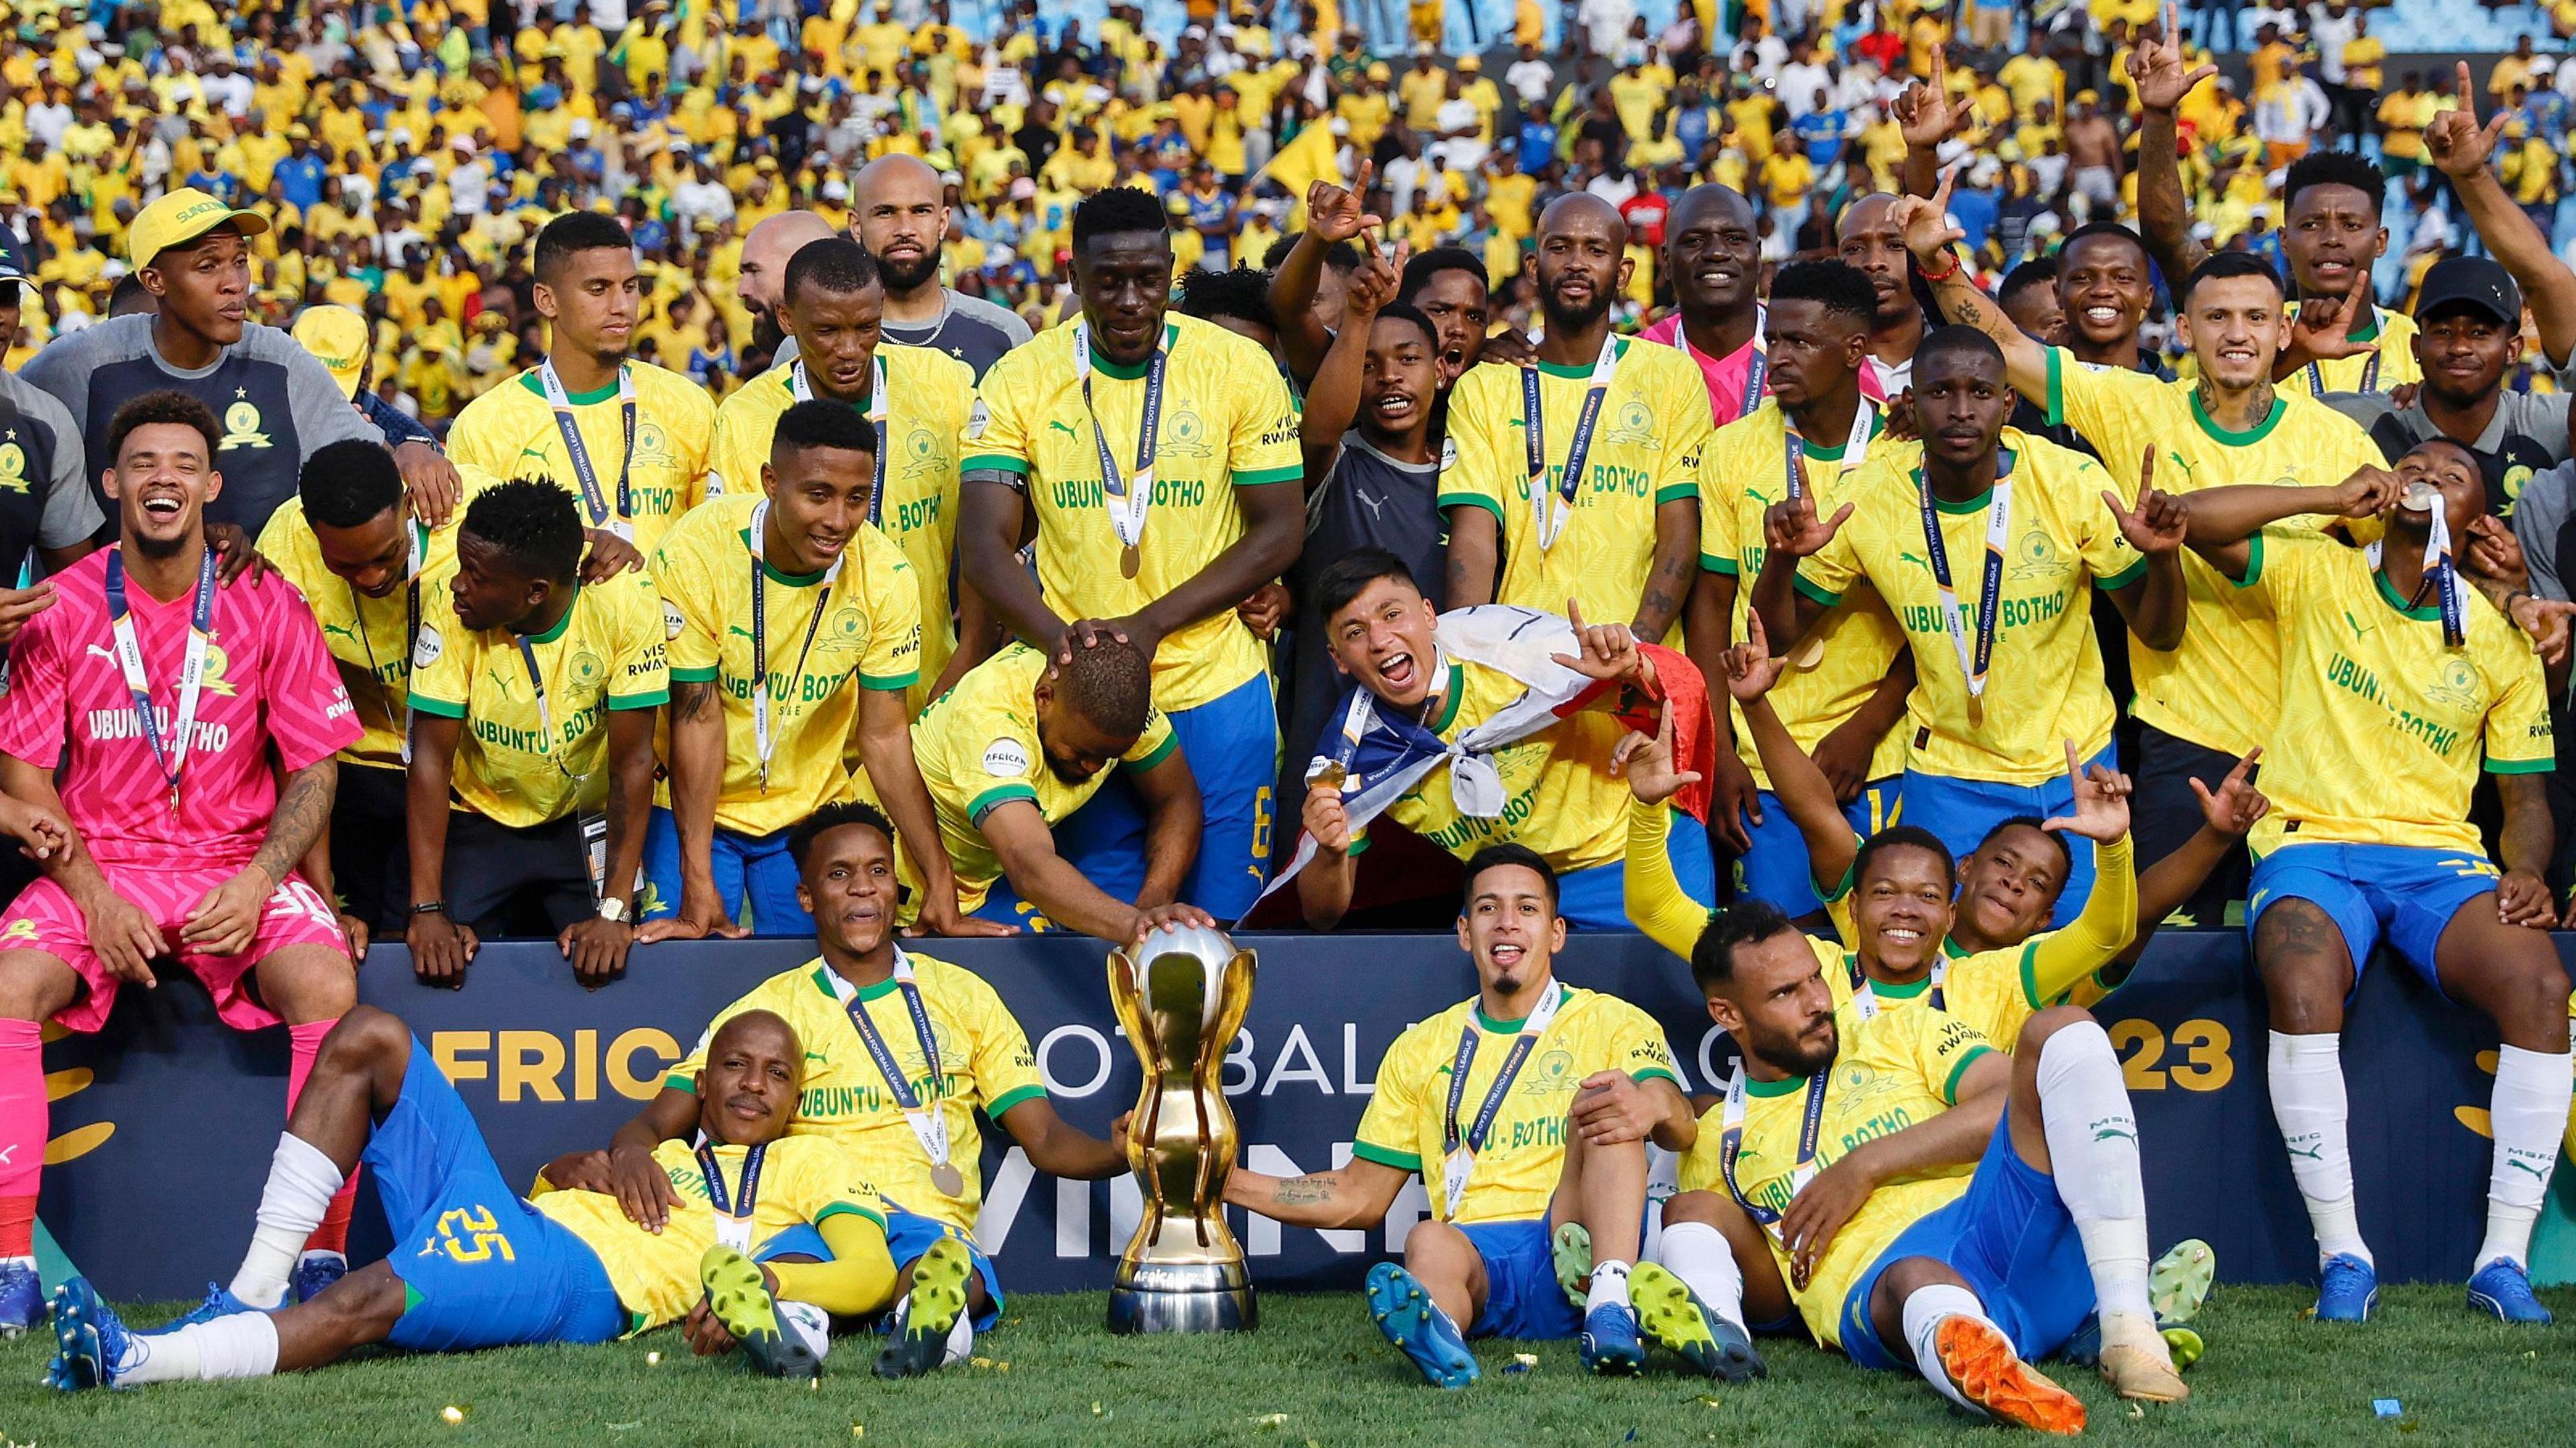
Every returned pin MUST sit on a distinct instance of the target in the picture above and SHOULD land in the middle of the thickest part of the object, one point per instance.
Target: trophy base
(1182, 1297)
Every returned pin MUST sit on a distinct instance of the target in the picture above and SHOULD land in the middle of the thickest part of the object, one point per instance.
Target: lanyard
(545, 715)
(879, 409)
(733, 1218)
(2445, 573)
(2369, 370)
(1989, 592)
(1855, 446)
(1756, 367)
(172, 754)
(1731, 1141)
(1129, 498)
(929, 1124)
(1460, 1148)
(579, 452)
(1551, 522)
(1864, 996)
(417, 535)
(763, 741)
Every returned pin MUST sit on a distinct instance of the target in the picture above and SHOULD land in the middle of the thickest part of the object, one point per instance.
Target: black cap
(2478, 281)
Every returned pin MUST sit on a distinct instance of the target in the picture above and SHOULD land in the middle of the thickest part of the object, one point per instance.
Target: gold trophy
(1181, 996)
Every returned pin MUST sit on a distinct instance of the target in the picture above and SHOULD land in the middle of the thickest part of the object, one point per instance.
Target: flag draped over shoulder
(1382, 754)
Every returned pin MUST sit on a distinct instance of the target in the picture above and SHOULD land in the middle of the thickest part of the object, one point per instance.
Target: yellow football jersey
(869, 636)
(1647, 444)
(977, 747)
(1524, 1153)
(803, 1179)
(931, 405)
(2218, 688)
(367, 636)
(2044, 684)
(1891, 1073)
(2394, 363)
(1997, 990)
(1559, 796)
(984, 1064)
(1227, 423)
(516, 763)
(2382, 724)
(1853, 645)
(511, 432)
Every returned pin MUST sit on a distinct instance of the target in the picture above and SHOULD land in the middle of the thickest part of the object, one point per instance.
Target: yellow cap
(338, 337)
(181, 217)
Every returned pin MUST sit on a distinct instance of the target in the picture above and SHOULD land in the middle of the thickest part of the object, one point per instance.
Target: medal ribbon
(418, 535)
(733, 1220)
(1460, 1148)
(1757, 367)
(1990, 591)
(170, 754)
(1551, 522)
(1855, 447)
(879, 409)
(1731, 1141)
(2445, 573)
(1131, 497)
(621, 522)
(765, 744)
(929, 1124)
(1864, 996)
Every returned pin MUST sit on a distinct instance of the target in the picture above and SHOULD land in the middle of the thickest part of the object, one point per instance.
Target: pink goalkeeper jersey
(269, 680)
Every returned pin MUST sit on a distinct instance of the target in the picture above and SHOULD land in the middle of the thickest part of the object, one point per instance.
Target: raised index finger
(1574, 616)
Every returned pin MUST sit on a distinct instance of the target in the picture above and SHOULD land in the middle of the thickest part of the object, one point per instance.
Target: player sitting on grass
(475, 1265)
(2397, 681)
(865, 1006)
(1850, 1135)
(1522, 1107)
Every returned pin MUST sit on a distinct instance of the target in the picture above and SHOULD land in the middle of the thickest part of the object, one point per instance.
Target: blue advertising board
(167, 1117)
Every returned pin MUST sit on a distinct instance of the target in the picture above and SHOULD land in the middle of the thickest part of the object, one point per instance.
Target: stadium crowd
(617, 477)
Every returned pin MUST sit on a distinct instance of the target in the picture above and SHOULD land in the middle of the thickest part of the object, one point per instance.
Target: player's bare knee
(2526, 993)
(1431, 1243)
(1694, 1207)
(2307, 969)
(365, 1038)
(308, 983)
(2044, 1024)
(34, 984)
(362, 1306)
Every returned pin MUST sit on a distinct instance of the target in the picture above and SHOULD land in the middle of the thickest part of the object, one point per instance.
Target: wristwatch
(613, 910)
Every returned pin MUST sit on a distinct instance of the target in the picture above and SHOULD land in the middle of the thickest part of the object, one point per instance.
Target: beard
(910, 274)
(1790, 1053)
(766, 334)
(1561, 318)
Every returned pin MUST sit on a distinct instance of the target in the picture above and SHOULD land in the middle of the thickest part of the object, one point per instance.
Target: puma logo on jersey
(104, 653)
(1061, 427)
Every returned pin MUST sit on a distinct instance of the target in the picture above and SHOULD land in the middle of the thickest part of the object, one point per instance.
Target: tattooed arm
(1933, 241)
(227, 919)
(303, 811)
(1351, 1196)
(1668, 584)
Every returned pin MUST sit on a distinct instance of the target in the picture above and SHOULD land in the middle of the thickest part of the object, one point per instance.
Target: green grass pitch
(1317, 1373)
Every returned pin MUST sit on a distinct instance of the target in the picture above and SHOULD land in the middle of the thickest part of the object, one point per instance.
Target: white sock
(2093, 1148)
(1697, 1253)
(961, 1340)
(2308, 1103)
(243, 1345)
(1924, 1311)
(301, 1180)
(292, 1204)
(1609, 1286)
(2528, 1114)
(811, 1325)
